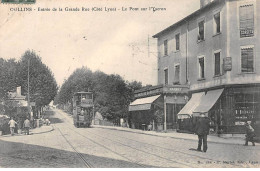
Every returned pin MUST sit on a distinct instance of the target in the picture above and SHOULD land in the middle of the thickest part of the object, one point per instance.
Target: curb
(45, 131)
(31, 132)
(146, 133)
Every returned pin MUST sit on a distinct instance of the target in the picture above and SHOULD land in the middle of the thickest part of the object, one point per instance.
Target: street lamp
(28, 93)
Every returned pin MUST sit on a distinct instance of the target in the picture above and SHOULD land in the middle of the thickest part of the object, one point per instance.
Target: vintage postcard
(129, 84)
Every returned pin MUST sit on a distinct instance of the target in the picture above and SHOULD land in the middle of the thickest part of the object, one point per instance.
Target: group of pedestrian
(26, 125)
(202, 130)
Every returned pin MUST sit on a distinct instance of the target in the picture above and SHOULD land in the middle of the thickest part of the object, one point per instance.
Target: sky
(114, 42)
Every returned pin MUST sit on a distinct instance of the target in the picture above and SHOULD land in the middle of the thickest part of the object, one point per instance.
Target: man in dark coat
(202, 130)
(250, 134)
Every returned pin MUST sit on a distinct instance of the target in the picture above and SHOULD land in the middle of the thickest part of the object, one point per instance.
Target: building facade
(157, 106)
(215, 53)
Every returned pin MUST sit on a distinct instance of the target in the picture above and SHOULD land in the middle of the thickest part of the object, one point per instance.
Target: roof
(214, 2)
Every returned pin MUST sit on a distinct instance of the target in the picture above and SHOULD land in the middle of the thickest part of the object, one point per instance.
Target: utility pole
(28, 93)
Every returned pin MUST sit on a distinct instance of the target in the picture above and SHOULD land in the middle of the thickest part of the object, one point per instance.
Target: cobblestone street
(63, 145)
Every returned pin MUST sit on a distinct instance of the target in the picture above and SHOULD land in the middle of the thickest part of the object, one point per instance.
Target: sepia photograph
(129, 84)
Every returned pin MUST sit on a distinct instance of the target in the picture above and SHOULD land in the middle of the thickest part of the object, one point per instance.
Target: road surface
(67, 146)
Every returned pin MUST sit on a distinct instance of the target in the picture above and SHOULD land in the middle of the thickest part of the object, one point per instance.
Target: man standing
(12, 125)
(26, 125)
(202, 130)
(250, 134)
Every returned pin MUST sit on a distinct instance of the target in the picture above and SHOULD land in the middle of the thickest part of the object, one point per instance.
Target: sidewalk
(40, 130)
(176, 135)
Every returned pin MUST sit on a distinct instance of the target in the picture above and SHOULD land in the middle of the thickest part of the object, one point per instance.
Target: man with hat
(250, 133)
(202, 130)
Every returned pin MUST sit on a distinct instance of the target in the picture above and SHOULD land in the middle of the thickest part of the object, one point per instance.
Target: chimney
(18, 91)
(205, 2)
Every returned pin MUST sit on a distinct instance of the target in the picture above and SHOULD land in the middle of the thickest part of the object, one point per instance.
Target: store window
(177, 74)
(201, 68)
(177, 38)
(247, 59)
(217, 63)
(245, 107)
(201, 35)
(217, 23)
(165, 47)
(166, 81)
(246, 17)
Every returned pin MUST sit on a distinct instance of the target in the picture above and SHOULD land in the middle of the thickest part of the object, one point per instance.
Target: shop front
(200, 103)
(228, 108)
(239, 105)
(157, 106)
(142, 112)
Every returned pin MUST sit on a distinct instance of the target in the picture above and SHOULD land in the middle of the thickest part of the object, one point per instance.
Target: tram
(83, 109)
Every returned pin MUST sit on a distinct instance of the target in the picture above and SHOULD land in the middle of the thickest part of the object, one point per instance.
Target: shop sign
(150, 92)
(228, 64)
(246, 33)
(175, 89)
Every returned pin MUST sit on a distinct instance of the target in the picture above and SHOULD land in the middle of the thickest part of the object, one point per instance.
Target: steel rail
(86, 163)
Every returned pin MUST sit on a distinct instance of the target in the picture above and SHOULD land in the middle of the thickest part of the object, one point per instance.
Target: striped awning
(208, 100)
(143, 103)
(193, 103)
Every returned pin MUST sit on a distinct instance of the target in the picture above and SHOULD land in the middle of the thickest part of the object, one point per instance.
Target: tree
(112, 95)
(42, 84)
(8, 76)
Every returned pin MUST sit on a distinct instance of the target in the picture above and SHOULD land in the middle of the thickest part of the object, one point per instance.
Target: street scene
(127, 84)
(63, 145)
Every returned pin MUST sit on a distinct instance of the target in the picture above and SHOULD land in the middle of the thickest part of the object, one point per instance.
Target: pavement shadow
(20, 155)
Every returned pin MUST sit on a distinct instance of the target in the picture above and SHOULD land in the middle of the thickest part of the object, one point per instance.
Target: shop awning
(192, 104)
(208, 101)
(143, 103)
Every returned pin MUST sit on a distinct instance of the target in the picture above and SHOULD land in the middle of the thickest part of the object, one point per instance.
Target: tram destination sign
(87, 103)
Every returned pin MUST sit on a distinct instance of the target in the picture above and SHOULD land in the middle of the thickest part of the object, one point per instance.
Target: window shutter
(246, 14)
(217, 63)
(177, 74)
(247, 59)
(177, 38)
(201, 63)
(201, 30)
(166, 47)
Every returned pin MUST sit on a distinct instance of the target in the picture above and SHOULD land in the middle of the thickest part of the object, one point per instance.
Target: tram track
(80, 155)
(94, 142)
(168, 149)
(140, 150)
(158, 156)
(205, 159)
(148, 153)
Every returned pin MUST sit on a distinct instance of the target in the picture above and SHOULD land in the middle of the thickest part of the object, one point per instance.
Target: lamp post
(28, 93)
(165, 118)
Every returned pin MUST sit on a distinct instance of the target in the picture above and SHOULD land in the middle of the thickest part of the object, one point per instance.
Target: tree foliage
(8, 76)
(112, 94)
(42, 84)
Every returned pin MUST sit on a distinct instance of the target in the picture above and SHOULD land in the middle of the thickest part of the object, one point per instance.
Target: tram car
(83, 109)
